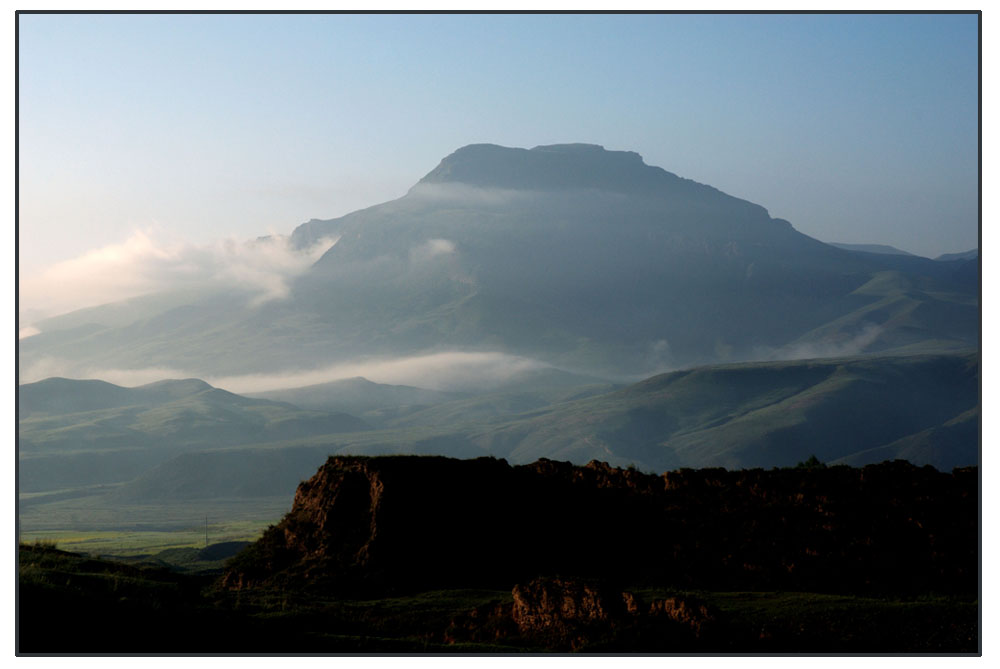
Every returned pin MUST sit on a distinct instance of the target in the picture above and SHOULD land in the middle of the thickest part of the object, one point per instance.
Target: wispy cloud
(147, 263)
(452, 370)
(29, 331)
(826, 348)
(467, 195)
(431, 249)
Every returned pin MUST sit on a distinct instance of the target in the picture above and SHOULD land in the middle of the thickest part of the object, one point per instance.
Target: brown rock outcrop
(564, 607)
(688, 611)
(381, 523)
(570, 614)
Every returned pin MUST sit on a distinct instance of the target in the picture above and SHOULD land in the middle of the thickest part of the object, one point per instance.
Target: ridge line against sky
(856, 128)
(195, 131)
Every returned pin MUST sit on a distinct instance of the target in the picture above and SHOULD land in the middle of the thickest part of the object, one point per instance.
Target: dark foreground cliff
(394, 524)
(432, 555)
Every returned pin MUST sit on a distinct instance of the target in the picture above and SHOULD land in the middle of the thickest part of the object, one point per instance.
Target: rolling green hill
(871, 248)
(77, 433)
(858, 410)
(357, 396)
(855, 410)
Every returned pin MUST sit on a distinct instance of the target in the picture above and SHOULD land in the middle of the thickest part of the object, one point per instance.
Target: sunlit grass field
(97, 526)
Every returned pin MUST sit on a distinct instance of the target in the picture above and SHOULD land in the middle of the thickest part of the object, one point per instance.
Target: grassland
(98, 526)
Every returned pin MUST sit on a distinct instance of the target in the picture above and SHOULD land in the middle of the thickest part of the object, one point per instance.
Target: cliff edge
(381, 524)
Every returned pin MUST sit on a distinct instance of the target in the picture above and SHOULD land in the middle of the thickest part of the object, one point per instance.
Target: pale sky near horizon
(151, 132)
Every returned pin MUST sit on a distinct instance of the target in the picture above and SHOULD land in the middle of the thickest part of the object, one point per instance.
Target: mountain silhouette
(583, 258)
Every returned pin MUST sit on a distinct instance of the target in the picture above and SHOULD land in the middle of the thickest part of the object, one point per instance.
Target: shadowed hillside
(924, 409)
(854, 410)
(378, 525)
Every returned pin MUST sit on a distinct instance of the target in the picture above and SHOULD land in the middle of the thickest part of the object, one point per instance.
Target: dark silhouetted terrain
(397, 523)
(427, 554)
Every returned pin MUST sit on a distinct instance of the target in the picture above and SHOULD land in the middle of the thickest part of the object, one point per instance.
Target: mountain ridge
(574, 256)
(559, 166)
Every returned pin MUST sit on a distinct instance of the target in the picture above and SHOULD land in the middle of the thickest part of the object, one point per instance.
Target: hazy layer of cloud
(464, 194)
(431, 249)
(833, 348)
(145, 263)
(454, 370)
(659, 358)
(120, 377)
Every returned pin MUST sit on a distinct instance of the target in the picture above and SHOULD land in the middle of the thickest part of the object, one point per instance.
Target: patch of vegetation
(811, 463)
(104, 526)
(75, 604)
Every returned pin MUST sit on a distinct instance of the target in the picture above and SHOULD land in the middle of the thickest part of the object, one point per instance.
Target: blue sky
(856, 128)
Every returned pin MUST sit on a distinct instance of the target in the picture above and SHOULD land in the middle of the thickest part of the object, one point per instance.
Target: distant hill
(491, 407)
(57, 396)
(394, 406)
(940, 443)
(965, 255)
(73, 433)
(857, 410)
(871, 248)
(356, 396)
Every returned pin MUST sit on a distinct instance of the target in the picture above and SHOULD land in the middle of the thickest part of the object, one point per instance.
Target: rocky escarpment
(567, 614)
(407, 522)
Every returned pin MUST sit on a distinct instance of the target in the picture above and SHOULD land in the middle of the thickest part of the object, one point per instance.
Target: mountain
(964, 255)
(571, 255)
(504, 402)
(393, 406)
(75, 433)
(356, 396)
(57, 396)
(872, 248)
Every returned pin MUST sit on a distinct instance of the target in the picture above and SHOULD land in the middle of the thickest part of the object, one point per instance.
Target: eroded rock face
(405, 522)
(563, 607)
(572, 614)
(334, 514)
(688, 611)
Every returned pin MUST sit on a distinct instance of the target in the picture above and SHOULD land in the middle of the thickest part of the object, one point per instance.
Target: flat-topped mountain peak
(551, 167)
